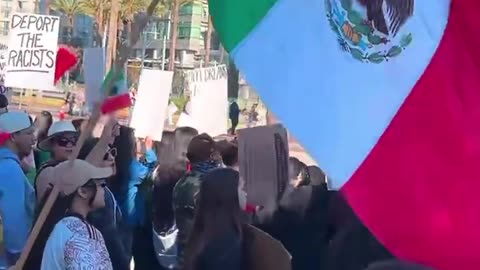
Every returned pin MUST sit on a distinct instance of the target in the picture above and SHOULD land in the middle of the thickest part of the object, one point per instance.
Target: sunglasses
(65, 141)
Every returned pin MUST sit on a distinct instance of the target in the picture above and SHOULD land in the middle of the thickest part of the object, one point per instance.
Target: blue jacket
(133, 206)
(17, 202)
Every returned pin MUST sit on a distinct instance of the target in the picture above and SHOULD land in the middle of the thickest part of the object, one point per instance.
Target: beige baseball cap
(69, 176)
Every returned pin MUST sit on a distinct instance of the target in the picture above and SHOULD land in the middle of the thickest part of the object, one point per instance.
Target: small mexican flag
(119, 97)
(119, 85)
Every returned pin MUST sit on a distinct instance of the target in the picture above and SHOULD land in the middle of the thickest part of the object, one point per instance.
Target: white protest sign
(93, 72)
(151, 103)
(185, 120)
(32, 51)
(209, 99)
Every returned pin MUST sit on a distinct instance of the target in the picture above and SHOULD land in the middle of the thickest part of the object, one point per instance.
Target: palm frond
(128, 8)
(69, 7)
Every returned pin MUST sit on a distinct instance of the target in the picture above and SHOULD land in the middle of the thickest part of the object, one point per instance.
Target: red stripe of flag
(418, 190)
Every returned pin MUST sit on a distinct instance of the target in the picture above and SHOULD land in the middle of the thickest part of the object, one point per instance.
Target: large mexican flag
(385, 94)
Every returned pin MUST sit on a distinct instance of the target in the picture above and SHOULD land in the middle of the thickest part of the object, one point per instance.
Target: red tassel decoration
(65, 61)
(115, 103)
(4, 136)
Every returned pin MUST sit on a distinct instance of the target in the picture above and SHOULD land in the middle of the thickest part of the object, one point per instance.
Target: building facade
(7, 8)
(191, 36)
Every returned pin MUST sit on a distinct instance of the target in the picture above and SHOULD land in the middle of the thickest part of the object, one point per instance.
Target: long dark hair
(295, 168)
(125, 145)
(42, 124)
(57, 212)
(218, 211)
(164, 181)
(183, 136)
(165, 148)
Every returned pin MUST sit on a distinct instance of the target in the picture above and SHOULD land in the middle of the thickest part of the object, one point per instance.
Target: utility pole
(166, 36)
(173, 39)
(112, 34)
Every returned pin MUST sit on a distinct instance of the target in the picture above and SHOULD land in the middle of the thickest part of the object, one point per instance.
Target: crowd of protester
(174, 204)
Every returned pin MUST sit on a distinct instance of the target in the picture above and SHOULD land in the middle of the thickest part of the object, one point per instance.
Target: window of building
(191, 9)
(6, 12)
(184, 31)
(6, 5)
(4, 27)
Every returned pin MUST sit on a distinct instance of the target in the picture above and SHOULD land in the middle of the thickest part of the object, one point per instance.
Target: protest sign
(93, 72)
(151, 103)
(32, 51)
(209, 99)
(263, 157)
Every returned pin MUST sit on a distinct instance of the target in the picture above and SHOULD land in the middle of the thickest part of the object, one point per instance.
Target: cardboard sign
(151, 103)
(266, 253)
(93, 72)
(209, 99)
(263, 156)
(32, 51)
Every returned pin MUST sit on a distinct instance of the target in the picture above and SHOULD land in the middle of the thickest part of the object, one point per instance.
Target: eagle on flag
(398, 13)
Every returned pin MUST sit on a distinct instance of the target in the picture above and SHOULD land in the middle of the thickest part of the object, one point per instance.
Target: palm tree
(112, 33)
(128, 10)
(69, 8)
(162, 9)
(175, 4)
(208, 41)
(95, 9)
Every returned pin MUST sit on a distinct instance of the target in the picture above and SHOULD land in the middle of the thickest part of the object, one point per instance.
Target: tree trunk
(99, 19)
(208, 41)
(222, 54)
(129, 32)
(112, 34)
(173, 39)
(47, 7)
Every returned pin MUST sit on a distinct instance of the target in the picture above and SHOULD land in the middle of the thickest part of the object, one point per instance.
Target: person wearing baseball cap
(67, 240)
(17, 199)
(60, 141)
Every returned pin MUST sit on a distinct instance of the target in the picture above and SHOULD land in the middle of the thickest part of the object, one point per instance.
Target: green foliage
(357, 54)
(374, 39)
(68, 7)
(179, 84)
(394, 51)
(355, 18)
(406, 40)
(179, 101)
(376, 58)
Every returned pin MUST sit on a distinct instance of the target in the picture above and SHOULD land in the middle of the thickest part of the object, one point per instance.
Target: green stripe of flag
(118, 86)
(234, 19)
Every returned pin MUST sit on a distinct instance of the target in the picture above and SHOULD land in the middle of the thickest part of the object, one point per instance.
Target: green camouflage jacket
(184, 196)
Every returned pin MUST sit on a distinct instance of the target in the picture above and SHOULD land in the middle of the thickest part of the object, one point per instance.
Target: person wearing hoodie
(17, 198)
(204, 157)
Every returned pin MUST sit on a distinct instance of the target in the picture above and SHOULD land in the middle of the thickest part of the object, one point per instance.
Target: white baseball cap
(11, 122)
(57, 128)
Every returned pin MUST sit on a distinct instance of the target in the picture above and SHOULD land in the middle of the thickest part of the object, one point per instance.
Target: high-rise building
(7, 7)
(81, 35)
(191, 35)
